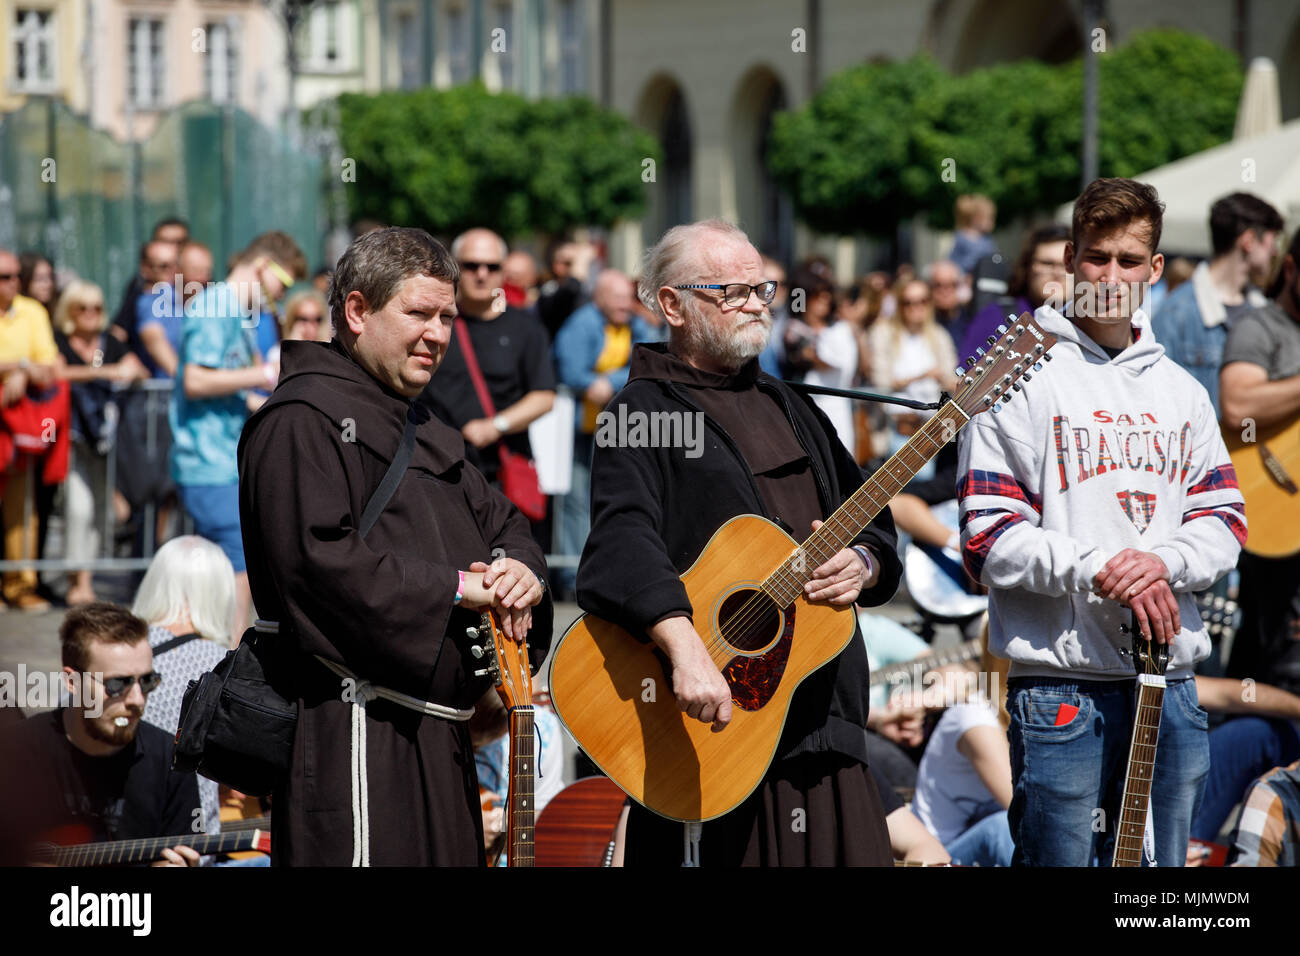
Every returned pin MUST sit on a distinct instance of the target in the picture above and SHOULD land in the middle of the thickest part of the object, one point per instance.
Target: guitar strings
(756, 607)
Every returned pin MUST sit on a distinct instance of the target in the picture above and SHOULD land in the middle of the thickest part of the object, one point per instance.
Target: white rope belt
(363, 693)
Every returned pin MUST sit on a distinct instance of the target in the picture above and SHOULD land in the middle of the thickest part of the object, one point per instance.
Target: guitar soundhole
(749, 620)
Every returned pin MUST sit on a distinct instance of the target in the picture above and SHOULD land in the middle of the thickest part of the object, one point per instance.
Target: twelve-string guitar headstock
(988, 378)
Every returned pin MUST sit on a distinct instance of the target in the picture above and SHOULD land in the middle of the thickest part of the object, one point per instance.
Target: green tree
(446, 160)
(880, 143)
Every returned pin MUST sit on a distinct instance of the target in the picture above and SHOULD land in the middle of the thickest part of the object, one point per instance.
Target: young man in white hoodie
(1105, 493)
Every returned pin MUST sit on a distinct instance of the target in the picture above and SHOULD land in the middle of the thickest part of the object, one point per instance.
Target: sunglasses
(475, 266)
(307, 318)
(120, 686)
(90, 307)
(7, 276)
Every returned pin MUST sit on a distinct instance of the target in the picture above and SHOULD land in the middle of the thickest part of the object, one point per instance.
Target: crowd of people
(249, 416)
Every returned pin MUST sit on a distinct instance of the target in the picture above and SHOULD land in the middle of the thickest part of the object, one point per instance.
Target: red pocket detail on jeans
(1065, 713)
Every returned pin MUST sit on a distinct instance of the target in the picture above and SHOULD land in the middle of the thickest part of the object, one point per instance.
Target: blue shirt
(162, 310)
(205, 431)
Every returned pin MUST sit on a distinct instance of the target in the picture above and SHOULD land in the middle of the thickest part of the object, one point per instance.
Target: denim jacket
(1192, 325)
(578, 345)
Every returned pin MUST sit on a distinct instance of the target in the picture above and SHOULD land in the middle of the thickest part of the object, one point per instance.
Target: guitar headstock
(988, 378)
(507, 661)
(1149, 656)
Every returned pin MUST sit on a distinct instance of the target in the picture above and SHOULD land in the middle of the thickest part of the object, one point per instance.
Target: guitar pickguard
(754, 680)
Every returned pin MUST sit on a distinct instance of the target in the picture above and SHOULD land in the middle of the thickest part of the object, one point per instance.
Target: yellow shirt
(616, 353)
(25, 333)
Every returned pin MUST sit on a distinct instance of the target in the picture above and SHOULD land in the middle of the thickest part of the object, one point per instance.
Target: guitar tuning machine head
(472, 633)
(476, 650)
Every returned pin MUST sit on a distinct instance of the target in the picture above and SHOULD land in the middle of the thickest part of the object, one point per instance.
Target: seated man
(1267, 829)
(95, 765)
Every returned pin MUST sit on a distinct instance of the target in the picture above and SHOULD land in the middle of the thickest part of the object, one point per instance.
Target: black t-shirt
(90, 398)
(514, 355)
(131, 794)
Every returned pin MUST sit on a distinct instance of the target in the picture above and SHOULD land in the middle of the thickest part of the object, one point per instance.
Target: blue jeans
(1068, 780)
(1241, 749)
(986, 843)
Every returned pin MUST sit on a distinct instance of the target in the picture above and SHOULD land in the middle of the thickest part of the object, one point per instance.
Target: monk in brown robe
(760, 449)
(376, 780)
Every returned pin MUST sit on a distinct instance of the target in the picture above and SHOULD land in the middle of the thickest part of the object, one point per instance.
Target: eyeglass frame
(750, 290)
(131, 680)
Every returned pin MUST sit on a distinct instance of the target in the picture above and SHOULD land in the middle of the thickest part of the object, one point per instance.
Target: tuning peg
(960, 370)
(1020, 330)
(970, 360)
(1015, 387)
(476, 650)
(471, 633)
(1026, 376)
(1038, 366)
(979, 352)
(1002, 329)
(997, 408)
(990, 340)
(1048, 356)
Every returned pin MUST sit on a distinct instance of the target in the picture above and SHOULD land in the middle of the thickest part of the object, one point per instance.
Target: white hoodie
(1094, 456)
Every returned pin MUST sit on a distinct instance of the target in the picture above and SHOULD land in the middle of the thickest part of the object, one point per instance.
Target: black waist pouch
(237, 724)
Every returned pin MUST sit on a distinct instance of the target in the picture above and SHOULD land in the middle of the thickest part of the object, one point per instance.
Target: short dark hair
(279, 246)
(1110, 204)
(1236, 213)
(1018, 283)
(378, 262)
(100, 621)
(173, 221)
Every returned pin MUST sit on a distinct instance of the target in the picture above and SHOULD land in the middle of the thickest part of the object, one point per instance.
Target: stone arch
(764, 211)
(662, 109)
(1001, 31)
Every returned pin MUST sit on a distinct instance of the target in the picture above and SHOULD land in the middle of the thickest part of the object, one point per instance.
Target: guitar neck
(848, 521)
(148, 849)
(519, 799)
(1141, 764)
(919, 666)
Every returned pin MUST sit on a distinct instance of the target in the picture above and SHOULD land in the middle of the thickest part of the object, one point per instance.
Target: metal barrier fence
(157, 397)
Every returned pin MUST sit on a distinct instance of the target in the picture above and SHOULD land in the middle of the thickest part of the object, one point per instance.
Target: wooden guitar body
(613, 694)
(1268, 473)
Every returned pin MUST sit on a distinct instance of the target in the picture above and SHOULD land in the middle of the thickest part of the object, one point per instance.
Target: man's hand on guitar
(1140, 580)
(701, 690)
(179, 856)
(508, 586)
(840, 579)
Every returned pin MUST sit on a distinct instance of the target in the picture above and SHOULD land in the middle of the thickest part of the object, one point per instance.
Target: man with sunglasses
(767, 451)
(220, 365)
(512, 350)
(94, 765)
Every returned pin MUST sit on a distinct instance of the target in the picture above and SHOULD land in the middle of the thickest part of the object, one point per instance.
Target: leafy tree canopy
(880, 143)
(446, 160)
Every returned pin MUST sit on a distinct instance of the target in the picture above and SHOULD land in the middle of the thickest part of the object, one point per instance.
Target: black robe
(309, 460)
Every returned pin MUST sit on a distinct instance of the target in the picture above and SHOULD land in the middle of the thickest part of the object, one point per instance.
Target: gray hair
(377, 263)
(459, 242)
(189, 575)
(673, 260)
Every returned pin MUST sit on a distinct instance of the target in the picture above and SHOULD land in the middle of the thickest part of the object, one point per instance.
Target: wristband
(865, 555)
(460, 587)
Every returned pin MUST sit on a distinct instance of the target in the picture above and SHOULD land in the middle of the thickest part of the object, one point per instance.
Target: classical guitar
(507, 664)
(612, 691)
(149, 849)
(1149, 659)
(1268, 469)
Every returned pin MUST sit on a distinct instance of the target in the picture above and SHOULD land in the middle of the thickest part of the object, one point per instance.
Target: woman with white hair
(90, 361)
(187, 598)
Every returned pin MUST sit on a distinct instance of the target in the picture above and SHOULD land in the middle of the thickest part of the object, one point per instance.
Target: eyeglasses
(307, 318)
(7, 276)
(736, 294)
(121, 686)
(475, 266)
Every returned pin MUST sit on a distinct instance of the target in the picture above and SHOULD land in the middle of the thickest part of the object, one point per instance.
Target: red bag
(517, 475)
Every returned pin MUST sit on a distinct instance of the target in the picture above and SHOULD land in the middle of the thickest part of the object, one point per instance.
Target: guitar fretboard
(1141, 765)
(916, 668)
(145, 850)
(523, 812)
(787, 581)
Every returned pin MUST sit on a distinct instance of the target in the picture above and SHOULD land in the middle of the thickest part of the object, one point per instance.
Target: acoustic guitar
(1150, 660)
(1267, 471)
(612, 691)
(578, 826)
(507, 664)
